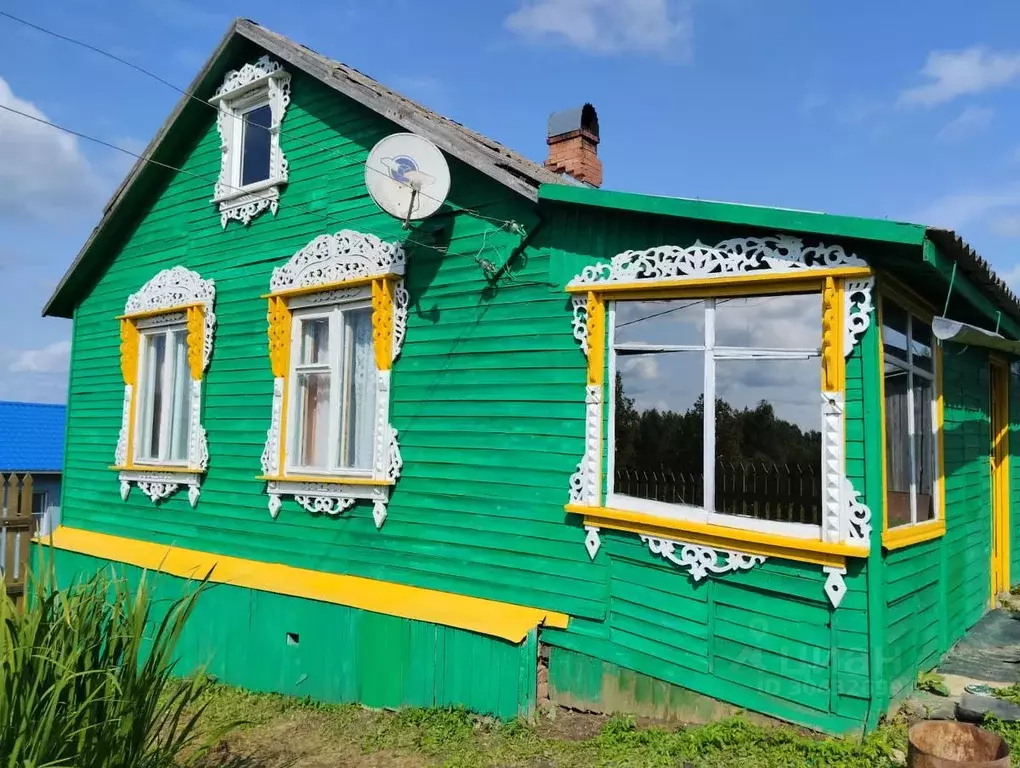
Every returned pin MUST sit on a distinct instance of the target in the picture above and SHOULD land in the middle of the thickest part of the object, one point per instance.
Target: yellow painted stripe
(489, 617)
(720, 537)
(323, 287)
(752, 281)
(905, 535)
(325, 479)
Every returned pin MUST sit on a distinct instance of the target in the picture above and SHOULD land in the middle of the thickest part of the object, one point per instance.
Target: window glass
(897, 446)
(770, 322)
(255, 144)
(180, 398)
(659, 427)
(677, 322)
(894, 330)
(315, 341)
(358, 409)
(334, 427)
(768, 445)
(911, 440)
(763, 428)
(152, 398)
(39, 501)
(164, 416)
(312, 436)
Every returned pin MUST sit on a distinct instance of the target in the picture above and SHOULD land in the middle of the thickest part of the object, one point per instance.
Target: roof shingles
(31, 437)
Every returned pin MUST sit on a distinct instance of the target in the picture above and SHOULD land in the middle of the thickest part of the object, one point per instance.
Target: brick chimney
(573, 141)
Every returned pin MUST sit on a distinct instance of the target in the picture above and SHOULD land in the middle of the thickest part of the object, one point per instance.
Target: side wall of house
(483, 394)
(936, 590)
(331, 652)
(766, 639)
(1014, 476)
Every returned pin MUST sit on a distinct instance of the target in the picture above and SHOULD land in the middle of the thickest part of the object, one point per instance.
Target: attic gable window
(166, 335)
(337, 319)
(252, 102)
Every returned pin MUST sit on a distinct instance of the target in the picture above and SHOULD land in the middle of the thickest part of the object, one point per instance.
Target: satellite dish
(407, 176)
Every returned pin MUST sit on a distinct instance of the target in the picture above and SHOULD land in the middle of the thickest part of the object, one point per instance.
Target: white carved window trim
(263, 82)
(174, 297)
(346, 267)
(845, 518)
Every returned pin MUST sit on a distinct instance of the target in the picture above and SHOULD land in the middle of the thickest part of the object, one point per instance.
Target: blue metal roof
(31, 437)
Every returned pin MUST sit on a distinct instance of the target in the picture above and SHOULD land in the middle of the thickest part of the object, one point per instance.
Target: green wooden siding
(487, 396)
(936, 590)
(268, 642)
(767, 639)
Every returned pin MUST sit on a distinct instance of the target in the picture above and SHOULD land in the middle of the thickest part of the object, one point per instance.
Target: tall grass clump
(87, 677)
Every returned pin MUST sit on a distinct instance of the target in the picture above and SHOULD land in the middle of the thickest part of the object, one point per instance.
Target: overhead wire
(506, 224)
(152, 161)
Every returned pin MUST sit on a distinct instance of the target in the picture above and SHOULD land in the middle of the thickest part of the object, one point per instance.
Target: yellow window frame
(829, 282)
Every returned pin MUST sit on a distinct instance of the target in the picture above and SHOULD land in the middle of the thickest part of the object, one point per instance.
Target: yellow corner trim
(807, 279)
(322, 479)
(322, 287)
(505, 620)
(157, 468)
(753, 542)
(167, 311)
(905, 535)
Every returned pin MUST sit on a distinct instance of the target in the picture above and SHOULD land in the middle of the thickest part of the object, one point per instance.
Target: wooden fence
(16, 528)
(784, 493)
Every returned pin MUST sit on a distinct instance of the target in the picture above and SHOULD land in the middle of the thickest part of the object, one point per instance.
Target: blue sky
(871, 108)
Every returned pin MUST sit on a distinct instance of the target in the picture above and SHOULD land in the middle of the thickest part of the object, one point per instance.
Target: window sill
(823, 553)
(906, 535)
(175, 468)
(253, 190)
(325, 479)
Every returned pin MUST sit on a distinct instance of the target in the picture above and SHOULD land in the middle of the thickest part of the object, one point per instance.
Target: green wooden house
(468, 462)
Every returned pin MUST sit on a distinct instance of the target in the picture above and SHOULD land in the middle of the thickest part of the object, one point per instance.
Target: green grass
(283, 731)
(87, 678)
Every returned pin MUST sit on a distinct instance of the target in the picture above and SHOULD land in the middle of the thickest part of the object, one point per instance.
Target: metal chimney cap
(575, 119)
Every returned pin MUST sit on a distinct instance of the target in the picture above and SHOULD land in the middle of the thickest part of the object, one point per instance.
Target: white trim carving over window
(337, 320)
(252, 102)
(166, 341)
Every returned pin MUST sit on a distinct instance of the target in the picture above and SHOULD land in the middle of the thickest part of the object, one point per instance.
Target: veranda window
(911, 424)
(333, 391)
(752, 460)
(165, 406)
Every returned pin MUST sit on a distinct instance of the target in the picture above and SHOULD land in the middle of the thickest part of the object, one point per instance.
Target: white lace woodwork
(701, 561)
(858, 516)
(835, 586)
(775, 253)
(858, 308)
(264, 81)
(341, 264)
(342, 257)
(833, 519)
(592, 541)
(174, 295)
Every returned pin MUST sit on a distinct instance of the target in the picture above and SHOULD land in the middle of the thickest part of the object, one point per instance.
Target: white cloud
(968, 123)
(646, 367)
(957, 210)
(952, 74)
(1006, 225)
(607, 26)
(53, 358)
(42, 170)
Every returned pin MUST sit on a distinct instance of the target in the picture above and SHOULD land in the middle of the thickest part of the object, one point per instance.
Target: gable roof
(503, 165)
(31, 437)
